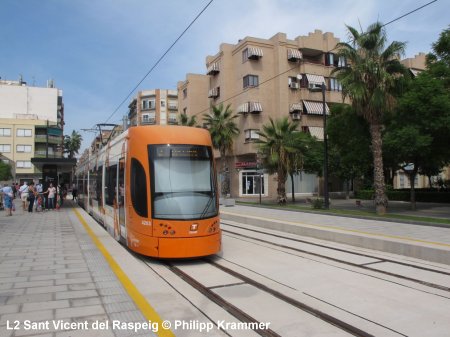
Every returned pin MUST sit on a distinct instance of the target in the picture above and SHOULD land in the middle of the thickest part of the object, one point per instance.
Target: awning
(316, 131)
(253, 52)
(294, 54)
(296, 107)
(415, 72)
(243, 108)
(315, 79)
(315, 108)
(253, 107)
(213, 68)
(214, 92)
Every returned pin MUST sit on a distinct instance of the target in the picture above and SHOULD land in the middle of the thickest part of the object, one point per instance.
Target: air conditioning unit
(296, 116)
(293, 85)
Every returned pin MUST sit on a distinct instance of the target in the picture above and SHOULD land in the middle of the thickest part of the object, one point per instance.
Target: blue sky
(96, 51)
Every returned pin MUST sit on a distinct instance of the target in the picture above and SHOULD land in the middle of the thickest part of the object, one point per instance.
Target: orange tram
(154, 188)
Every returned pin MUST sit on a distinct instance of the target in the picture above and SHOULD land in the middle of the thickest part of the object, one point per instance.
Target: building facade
(31, 128)
(269, 78)
(158, 106)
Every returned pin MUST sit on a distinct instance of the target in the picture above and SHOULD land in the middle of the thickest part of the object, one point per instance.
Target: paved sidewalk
(50, 272)
(418, 241)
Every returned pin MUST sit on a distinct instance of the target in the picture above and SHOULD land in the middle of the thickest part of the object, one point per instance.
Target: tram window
(98, 189)
(110, 184)
(93, 184)
(138, 188)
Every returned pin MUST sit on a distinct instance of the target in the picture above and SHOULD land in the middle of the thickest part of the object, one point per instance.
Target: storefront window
(252, 182)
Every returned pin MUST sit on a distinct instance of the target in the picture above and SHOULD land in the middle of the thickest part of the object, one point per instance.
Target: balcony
(43, 154)
(51, 139)
(148, 121)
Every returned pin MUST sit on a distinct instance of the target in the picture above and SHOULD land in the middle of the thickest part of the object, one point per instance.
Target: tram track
(245, 317)
(330, 258)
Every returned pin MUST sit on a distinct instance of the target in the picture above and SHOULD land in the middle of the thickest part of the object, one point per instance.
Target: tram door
(122, 194)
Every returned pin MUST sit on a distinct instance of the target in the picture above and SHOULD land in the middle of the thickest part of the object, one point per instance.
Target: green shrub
(317, 203)
(422, 195)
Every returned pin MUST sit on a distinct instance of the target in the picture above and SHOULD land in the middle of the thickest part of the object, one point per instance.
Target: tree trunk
(412, 191)
(381, 201)
(281, 189)
(293, 194)
(225, 176)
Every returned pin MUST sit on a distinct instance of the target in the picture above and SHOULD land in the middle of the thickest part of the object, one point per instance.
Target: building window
(163, 103)
(24, 132)
(251, 81)
(5, 148)
(23, 164)
(23, 148)
(251, 135)
(252, 183)
(333, 60)
(148, 104)
(185, 111)
(334, 85)
(5, 132)
(329, 59)
(148, 118)
(184, 92)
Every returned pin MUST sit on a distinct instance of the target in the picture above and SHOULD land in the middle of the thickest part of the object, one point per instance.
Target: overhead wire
(159, 60)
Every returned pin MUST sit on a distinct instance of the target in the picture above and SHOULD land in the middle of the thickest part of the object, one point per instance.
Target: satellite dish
(299, 76)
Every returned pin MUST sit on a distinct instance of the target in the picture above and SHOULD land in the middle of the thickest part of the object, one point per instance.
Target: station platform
(62, 274)
(424, 242)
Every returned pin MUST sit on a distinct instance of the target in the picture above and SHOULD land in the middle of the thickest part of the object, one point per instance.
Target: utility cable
(159, 60)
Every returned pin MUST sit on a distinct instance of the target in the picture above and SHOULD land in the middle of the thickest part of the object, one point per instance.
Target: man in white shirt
(23, 191)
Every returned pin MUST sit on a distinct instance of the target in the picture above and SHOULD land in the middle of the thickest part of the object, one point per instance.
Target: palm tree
(184, 119)
(278, 146)
(72, 144)
(370, 81)
(223, 130)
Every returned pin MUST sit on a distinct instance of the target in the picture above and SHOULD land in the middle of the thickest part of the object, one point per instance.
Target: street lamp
(325, 152)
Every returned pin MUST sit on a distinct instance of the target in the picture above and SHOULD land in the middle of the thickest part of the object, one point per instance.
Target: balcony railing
(51, 139)
(43, 154)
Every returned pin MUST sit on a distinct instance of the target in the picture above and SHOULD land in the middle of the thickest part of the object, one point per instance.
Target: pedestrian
(40, 196)
(8, 196)
(23, 192)
(74, 192)
(51, 191)
(31, 196)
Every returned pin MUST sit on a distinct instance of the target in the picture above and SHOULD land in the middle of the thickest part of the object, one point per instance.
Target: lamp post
(325, 152)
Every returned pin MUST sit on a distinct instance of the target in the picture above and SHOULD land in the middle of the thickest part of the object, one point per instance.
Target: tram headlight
(172, 232)
(165, 232)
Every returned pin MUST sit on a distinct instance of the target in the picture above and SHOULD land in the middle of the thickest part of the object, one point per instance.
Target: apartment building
(31, 129)
(262, 78)
(158, 106)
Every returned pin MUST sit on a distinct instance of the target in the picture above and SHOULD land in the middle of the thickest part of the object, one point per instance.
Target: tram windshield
(182, 182)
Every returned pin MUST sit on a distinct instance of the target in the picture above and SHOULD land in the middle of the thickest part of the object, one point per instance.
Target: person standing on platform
(40, 195)
(8, 196)
(31, 196)
(74, 192)
(23, 192)
(51, 191)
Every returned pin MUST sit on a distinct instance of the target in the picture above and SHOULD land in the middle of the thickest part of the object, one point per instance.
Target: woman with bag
(8, 199)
